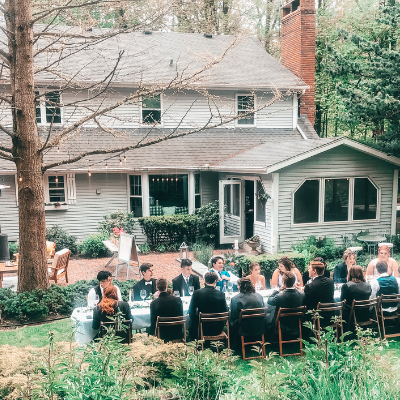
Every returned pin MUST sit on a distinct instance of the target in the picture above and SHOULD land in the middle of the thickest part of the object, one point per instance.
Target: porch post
(275, 212)
(191, 195)
(145, 194)
(394, 201)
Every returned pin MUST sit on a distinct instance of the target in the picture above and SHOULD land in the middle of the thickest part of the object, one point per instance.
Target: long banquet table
(83, 316)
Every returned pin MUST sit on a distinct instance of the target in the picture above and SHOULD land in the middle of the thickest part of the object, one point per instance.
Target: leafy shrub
(13, 247)
(269, 263)
(93, 245)
(208, 223)
(118, 219)
(144, 248)
(27, 305)
(62, 239)
(169, 230)
(203, 252)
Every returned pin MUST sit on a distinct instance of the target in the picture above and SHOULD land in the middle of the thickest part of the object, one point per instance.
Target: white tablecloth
(140, 310)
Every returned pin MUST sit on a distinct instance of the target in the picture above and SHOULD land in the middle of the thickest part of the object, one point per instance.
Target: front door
(231, 211)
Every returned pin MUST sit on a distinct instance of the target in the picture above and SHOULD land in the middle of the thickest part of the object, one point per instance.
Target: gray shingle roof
(147, 59)
(306, 127)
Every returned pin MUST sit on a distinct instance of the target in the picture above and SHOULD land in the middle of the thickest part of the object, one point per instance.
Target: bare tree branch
(4, 129)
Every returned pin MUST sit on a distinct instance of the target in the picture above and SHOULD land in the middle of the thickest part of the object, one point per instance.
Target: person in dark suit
(107, 309)
(246, 299)
(320, 289)
(288, 297)
(207, 300)
(182, 282)
(148, 283)
(306, 275)
(340, 272)
(165, 305)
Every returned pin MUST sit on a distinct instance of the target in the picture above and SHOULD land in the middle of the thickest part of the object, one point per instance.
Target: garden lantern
(184, 250)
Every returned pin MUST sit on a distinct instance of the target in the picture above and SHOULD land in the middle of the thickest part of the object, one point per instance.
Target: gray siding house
(229, 142)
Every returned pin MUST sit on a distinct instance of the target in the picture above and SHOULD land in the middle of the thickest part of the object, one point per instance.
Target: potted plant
(253, 242)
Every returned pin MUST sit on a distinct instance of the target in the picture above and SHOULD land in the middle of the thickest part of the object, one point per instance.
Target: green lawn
(37, 335)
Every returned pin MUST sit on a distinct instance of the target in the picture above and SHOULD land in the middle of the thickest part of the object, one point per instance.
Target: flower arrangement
(254, 238)
(116, 232)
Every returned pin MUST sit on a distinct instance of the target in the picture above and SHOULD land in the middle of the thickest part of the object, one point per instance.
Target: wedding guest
(383, 255)
(320, 289)
(165, 305)
(148, 283)
(217, 263)
(182, 282)
(255, 275)
(285, 265)
(340, 273)
(306, 275)
(207, 300)
(105, 280)
(108, 307)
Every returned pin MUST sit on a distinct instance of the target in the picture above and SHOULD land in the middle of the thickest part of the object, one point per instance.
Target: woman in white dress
(285, 264)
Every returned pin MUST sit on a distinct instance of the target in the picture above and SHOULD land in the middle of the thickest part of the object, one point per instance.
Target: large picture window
(168, 194)
(336, 200)
(306, 202)
(135, 188)
(365, 199)
(337, 204)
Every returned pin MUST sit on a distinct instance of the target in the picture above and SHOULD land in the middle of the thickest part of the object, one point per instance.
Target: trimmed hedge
(55, 300)
(169, 230)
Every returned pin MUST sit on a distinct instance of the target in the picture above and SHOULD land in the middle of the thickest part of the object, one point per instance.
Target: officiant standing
(148, 283)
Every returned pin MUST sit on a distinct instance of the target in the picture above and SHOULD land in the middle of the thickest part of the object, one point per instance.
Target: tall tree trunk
(32, 272)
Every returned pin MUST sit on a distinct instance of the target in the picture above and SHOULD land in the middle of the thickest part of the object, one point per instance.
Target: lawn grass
(37, 335)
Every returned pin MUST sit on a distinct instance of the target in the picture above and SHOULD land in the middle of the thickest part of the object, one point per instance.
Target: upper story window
(337, 204)
(245, 104)
(151, 110)
(49, 111)
(56, 188)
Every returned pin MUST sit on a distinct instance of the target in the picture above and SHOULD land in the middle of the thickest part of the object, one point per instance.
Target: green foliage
(13, 247)
(62, 239)
(203, 252)
(144, 248)
(268, 263)
(118, 219)
(313, 247)
(93, 245)
(208, 223)
(169, 230)
(60, 300)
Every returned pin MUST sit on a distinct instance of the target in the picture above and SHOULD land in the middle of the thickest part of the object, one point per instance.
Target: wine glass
(258, 285)
(191, 290)
(176, 293)
(143, 294)
(230, 287)
(218, 288)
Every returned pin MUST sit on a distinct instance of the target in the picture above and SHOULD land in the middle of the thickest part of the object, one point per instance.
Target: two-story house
(248, 120)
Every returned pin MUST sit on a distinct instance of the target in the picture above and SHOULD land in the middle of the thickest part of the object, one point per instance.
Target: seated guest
(148, 283)
(355, 289)
(223, 276)
(285, 265)
(247, 298)
(165, 305)
(207, 300)
(105, 280)
(383, 255)
(306, 275)
(182, 282)
(340, 273)
(255, 275)
(385, 284)
(320, 289)
(289, 297)
(108, 308)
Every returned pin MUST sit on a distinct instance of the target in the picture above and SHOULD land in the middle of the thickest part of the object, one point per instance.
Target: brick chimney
(298, 48)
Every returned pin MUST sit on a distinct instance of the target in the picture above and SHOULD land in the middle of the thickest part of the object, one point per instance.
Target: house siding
(339, 162)
(9, 209)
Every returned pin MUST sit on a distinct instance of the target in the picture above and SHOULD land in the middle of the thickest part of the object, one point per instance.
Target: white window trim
(43, 121)
(236, 110)
(128, 175)
(161, 124)
(351, 202)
